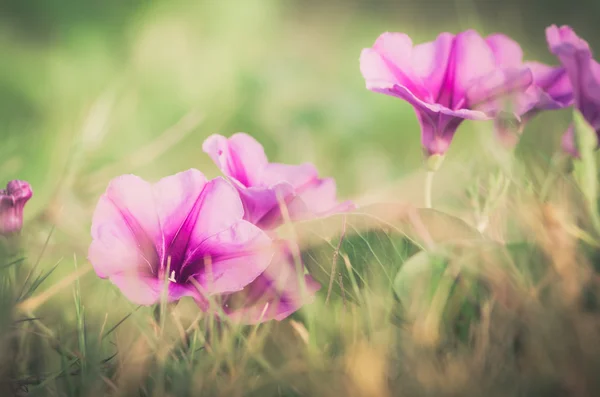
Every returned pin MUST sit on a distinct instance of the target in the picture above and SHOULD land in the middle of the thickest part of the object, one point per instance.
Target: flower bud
(12, 201)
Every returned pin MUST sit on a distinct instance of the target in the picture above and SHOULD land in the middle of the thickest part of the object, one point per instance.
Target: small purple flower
(583, 72)
(263, 186)
(453, 78)
(275, 294)
(12, 202)
(183, 228)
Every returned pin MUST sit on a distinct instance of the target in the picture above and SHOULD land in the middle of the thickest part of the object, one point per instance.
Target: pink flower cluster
(212, 240)
(469, 77)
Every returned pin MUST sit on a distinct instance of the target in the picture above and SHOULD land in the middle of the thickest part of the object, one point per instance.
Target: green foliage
(586, 170)
(346, 252)
(482, 296)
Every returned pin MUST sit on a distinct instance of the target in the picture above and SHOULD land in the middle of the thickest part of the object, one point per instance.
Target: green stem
(428, 187)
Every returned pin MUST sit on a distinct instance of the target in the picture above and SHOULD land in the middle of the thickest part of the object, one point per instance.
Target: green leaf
(347, 253)
(417, 280)
(586, 170)
(438, 295)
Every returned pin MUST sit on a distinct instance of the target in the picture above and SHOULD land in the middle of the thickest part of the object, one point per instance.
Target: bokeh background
(93, 89)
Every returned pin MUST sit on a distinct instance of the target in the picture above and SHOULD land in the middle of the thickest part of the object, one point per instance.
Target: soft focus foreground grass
(139, 94)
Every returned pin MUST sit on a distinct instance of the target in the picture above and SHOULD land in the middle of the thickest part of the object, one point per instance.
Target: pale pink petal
(564, 40)
(438, 123)
(554, 83)
(430, 62)
(240, 157)
(125, 223)
(575, 56)
(471, 60)
(112, 251)
(177, 201)
(230, 260)
(376, 72)
(133, 197)
(175, 197)
(389, 62)
(499, 89)
(262, 205)
(220, 207)
(295, 175)
(507, 52)
(278, 292)
(320, 196)
(396, 47)
(280, 303)
(584, 72)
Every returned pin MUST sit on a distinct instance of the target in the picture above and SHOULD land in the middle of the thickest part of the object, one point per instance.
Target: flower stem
(432, 164)
(428, 187)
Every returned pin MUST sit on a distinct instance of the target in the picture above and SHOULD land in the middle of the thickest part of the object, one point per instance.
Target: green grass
(420, 304)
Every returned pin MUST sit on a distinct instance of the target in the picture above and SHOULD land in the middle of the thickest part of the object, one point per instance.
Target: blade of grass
(36, 301)
(80, 321)
(37, 282)
(114, 327)
(37, 262)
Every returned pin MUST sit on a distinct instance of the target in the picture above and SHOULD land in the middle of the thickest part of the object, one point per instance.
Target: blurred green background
(93, 89)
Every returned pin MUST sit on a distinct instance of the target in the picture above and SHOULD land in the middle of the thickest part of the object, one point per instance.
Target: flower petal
(564, 41)
(554, 83)
(320, 196)
(262, 205)
(438, 123)
(437, 129)
(499, 89)
(389, 62)
(430, 62)
(471, 60)
(507, 52)
(12, 203)
(240, 157)
(230, 260)
(177, 201)
(295, 175)
(275, 294)
(114, 250)
(220, 208)
(143, 290)
(584, 72)
(126, 212)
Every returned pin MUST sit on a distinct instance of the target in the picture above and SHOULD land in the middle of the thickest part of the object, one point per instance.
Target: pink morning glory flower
(550, 90)
(583, 71)
(12, 202)
(264, 186)
(274, 295)
(183, 232)
(448, 80)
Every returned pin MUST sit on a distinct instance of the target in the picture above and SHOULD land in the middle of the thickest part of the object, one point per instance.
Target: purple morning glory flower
(12, 202)
(550, 90)
(583, 72)
(453, 78)
(264, 186)
(183, 230)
